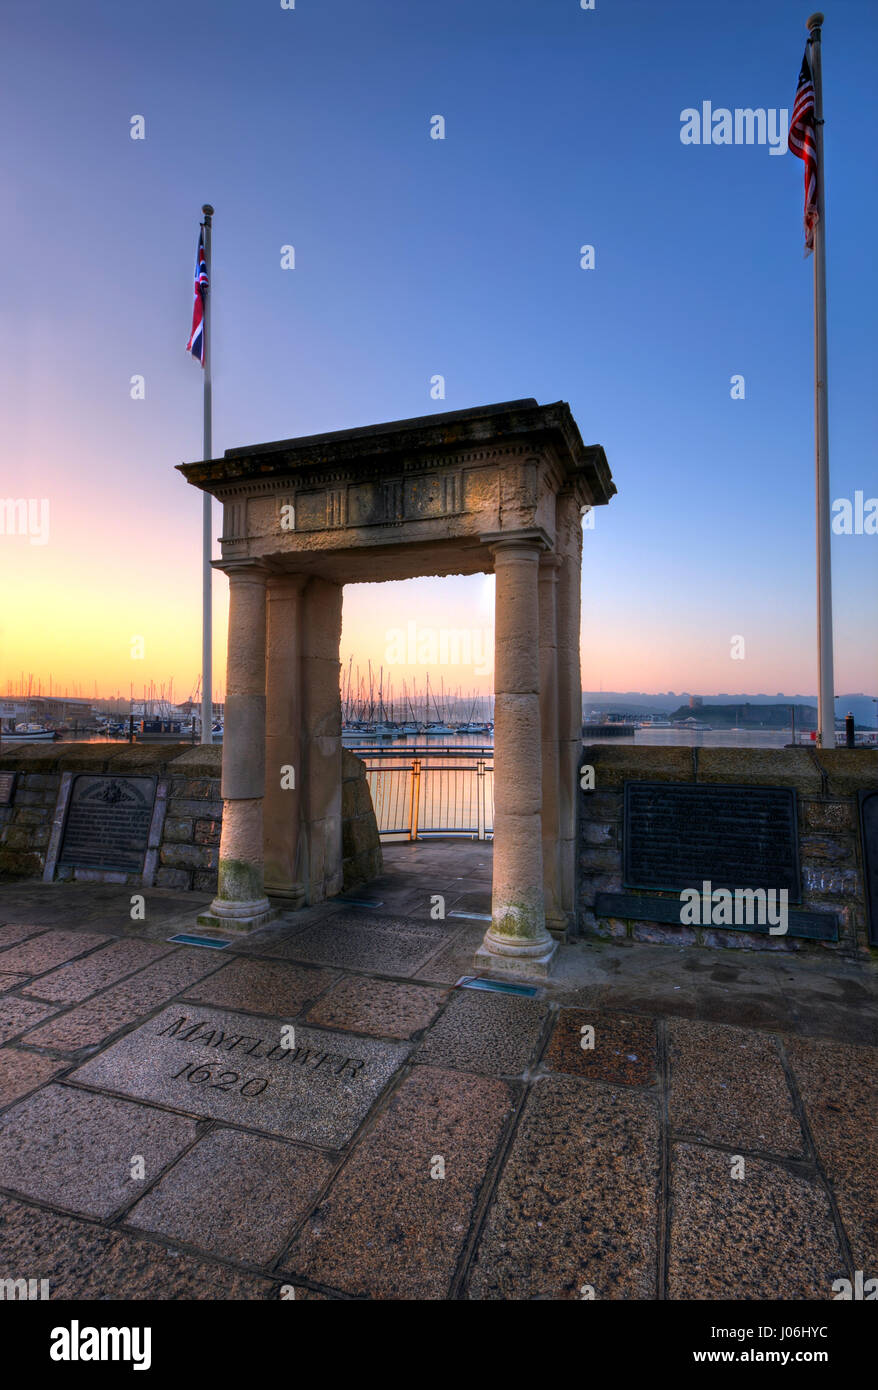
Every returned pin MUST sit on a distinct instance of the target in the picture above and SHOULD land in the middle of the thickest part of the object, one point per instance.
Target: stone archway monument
(499, 489)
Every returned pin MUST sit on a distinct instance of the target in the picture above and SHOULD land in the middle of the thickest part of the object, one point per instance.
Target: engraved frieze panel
(365, 504)
(311, 511)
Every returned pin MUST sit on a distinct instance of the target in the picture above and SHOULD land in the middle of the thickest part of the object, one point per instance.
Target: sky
(416, 257)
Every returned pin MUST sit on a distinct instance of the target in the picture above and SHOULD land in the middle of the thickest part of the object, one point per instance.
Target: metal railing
(426, 791)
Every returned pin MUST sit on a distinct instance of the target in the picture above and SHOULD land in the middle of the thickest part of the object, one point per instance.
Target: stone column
(517, 939)
(321, 740)
(283, 720)
(556, 917)
(569, 542)
(240, 903)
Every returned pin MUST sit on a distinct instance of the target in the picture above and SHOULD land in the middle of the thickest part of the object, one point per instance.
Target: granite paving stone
(838, 1084)
(90, 1023)
(21, 1072)
(380, 1007)
(13, 932)
(767, 1236)
(8, 980)
(386, 1228)
(234, 1067)
(76, 981)
(577, 1199)
(263, 986)
(456, 958)
(45, 952)
(728, 1086)
(18, 1014)
(82, 1261)
(74, 1150)
(493, 1033)
(236, 1195)
(624, 1047)
(354, 941)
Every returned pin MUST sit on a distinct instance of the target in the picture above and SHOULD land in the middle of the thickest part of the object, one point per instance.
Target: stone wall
(361, 843)
(188, 785)
(826, 784)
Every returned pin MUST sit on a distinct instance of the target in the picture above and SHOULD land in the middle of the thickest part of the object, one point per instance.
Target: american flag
(802, 140)
(195, 344)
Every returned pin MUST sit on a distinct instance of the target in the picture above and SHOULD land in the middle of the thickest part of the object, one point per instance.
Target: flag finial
(815, 21)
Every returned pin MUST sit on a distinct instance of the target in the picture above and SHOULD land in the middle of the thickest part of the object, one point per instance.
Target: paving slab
(83, 1261)
(8, 980)
(455, 959)
(74, 1150)
(624, 1049)
(728, 1086)
(839, 1088)
(767, 1236)
(386, 1228)
(14, 932)
(90, 1023)
(235, 1195)
(352, 940)
(380, 1007)
(263, 986)
(577, 1201)
(21, 1072)
(231, 1066)
(493, 1033)
(76, 981)
(52, 948)
(18, 1014)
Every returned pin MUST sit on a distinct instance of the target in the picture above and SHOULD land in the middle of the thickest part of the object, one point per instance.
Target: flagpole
(826, 683)
(207, 524)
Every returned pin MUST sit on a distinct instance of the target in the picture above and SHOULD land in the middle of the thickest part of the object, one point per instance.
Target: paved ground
(318, 1109)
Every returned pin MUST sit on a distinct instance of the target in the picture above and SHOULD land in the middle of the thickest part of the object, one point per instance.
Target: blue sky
(415, 257)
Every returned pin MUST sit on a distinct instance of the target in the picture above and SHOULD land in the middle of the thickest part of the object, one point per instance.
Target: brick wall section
(189, 849)
(826, 784)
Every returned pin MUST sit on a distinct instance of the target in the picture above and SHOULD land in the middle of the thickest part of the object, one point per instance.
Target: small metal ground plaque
(678, 834)
(306, 1084)
(107, 825)
(7, 787)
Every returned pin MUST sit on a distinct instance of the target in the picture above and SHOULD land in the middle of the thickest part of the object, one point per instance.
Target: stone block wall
(188, 848)
(826, 784)
(26, 824)
(361, 843)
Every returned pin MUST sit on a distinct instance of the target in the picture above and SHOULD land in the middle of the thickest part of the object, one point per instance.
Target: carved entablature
(436, 483)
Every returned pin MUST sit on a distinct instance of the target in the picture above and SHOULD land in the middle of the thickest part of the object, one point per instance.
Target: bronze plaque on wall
(677, 834)
(107, 825)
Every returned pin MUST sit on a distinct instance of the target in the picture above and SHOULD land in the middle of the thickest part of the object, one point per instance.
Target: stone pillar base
(293, 897)
(225, 915)
(559, 928)
(502, 957)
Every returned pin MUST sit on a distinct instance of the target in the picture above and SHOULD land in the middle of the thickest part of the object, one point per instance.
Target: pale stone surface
(87, 1168)
(460, 492)
(282, 807)
(240, 899)
(231, 1066)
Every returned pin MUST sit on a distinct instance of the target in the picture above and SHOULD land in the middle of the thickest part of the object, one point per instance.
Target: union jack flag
(195, 344)
(802, 140)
